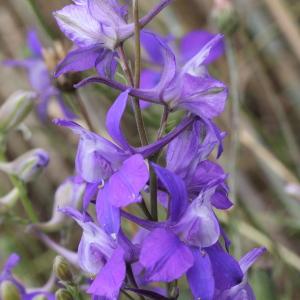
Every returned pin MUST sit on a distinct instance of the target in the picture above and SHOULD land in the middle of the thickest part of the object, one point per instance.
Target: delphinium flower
(191, 186)
(97, 28)
(40, 77)
(12, 288)
(189, 87)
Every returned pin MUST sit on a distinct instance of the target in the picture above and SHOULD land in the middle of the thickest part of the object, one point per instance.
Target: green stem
(41, 19)
(137, 74)
(233, 72)
(19, 184)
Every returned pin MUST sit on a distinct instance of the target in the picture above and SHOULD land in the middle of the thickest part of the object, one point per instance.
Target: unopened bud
(225, 16)
(62, 269)
(40, 297)
(69, 193)
(15, 109)
(63, 294)
(27, 166)
(8, 291)
(9, 200)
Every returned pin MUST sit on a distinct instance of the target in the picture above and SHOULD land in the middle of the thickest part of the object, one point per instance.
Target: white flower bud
(27, 166)
(15, 109)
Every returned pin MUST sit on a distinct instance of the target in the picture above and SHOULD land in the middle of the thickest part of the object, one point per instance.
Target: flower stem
(137, 74)
(19, 184)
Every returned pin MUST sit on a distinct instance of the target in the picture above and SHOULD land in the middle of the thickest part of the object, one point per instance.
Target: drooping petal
(109, 280)
(78, 25)
(107, 214)
(205, 97)
(113, 120)
(193, 42)
(164, 256)
(90, 192)
(126, 184)
(177, 190)
(80, 59)
(249, 259)
(200, 276)
(11, 263)
(227, 272)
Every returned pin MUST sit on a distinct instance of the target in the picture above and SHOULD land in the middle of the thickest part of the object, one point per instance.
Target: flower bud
(40, 297)
(69, 193)
(15, 109)
(9, 200)
(225, 16)
(8, 291)
(63, 294)
(27, 166)
(62, 269)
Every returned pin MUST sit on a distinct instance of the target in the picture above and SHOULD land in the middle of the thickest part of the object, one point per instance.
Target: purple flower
(190, 87)
(99, 255)
(39, 77)
(7, 276)
(115, 173)
(97, 28)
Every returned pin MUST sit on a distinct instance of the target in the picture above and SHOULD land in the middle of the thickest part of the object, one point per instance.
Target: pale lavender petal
(249, 259)
(164, 256)
(205, 97)
(78, 25)
(199, 226)
(194, 41)
(177, 190)
(34, 43)
(110, 279)
(107, 214)
(106, 12)
(113, 120)
(200, 276)
(227, 272)
(80, 59)
(126, 184)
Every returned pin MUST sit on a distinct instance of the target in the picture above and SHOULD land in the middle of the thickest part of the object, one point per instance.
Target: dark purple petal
(249, 259)
(89, 194)
(204, 54)
(148, 41)
(34, 43)
(80, 59)
(164, 256)
(177, 190)
(107, 214)
(109, 280)
(151, 149)
(106, 63)
(220, 199)
(113, 120)
(200, 276)
(126, 184)
(194, 41)
(227, 272)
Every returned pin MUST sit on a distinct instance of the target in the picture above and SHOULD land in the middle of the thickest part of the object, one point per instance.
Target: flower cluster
(174, 179)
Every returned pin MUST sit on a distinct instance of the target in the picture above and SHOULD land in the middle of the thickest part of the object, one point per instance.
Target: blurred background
(262, 68)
